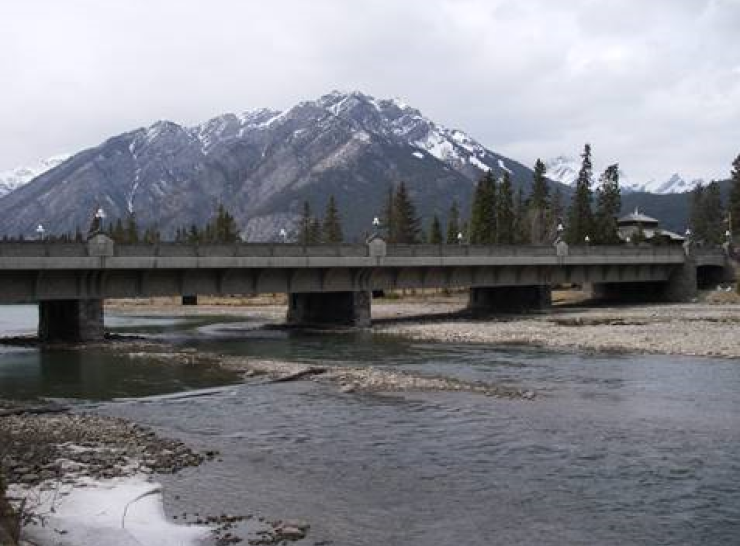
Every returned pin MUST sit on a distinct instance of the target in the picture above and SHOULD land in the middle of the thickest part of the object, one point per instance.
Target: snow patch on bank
(120, 512)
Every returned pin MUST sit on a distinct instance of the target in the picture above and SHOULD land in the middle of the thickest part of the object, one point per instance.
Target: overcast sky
(653, 84)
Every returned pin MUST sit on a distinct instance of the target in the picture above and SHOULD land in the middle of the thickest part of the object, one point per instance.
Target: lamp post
(40, 230)
(376, 227)
(687, 233)
(283, 235)
(587, 240)
(459, 238)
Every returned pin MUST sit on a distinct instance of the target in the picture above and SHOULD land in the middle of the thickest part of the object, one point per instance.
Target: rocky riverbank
(688, 329)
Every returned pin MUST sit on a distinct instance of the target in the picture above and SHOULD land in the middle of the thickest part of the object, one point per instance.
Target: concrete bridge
(332, 284)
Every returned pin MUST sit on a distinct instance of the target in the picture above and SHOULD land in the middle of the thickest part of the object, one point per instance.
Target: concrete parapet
(71, 320)
(330, 308)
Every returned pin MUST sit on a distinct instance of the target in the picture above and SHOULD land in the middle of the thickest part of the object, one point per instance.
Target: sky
(653, 85)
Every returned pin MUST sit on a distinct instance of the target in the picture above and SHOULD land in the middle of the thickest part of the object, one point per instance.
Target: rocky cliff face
(261, 164)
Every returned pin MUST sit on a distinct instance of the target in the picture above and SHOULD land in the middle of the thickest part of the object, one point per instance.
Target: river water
(614, 450)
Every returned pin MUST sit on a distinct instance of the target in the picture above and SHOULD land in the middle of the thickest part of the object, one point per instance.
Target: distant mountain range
(15, 178)
(262, 164)
(565, 169)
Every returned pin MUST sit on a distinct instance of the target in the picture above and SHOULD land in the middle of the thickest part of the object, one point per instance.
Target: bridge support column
(71, 320)
(509, 299)
(330, 308)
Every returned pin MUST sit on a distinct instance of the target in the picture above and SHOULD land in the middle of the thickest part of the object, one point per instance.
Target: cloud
(654, 85)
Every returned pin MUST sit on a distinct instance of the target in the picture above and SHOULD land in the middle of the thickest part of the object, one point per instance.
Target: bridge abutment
(71, 320)
(509, 299)
(330, 308)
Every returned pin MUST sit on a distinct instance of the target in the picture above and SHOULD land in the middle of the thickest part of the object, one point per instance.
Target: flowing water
(627, 449)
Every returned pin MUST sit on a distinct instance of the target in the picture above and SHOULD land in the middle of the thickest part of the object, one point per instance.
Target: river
(615, 449)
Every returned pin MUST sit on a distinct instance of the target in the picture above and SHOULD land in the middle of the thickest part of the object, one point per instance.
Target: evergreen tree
(580, 217)
(522, 235)
(539, 210)
(483, 214)
(608, 205)
(332, 227)
(435, 232)
(697, 219)
(132, 230)
(305, 226)
(388, 215)
(193, 237)
(453, 224)
(733, 207)
(118, 233)
(713, 214)
(556, 215)
(505, 211)
(314, 231)
(407, 225)
(226, 230)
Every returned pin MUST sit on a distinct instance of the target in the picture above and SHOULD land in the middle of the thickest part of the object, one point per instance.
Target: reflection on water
(617, 449)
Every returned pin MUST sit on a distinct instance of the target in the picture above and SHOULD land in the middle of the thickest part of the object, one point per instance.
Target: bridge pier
(509, 299)
(71, 320)
(330, 308)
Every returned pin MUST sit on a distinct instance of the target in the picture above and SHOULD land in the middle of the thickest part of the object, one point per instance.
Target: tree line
(497, 215)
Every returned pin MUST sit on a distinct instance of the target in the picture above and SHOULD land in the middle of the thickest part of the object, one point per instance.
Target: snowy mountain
(15, 178)
(564, 169)
(263, 164)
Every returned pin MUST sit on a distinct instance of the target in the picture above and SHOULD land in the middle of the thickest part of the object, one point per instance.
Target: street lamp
(688, 233)
(587, 240)
(459, 238)
(40, 230)
(284, 235)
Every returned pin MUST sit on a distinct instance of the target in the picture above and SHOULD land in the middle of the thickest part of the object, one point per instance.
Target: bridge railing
(47, 249)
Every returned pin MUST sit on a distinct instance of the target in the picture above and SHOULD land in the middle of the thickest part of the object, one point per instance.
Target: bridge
(333, 284)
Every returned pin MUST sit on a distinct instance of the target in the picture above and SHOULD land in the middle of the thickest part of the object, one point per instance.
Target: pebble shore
(691, 330)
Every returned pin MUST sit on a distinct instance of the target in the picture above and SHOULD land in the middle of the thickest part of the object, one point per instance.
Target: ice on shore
(118, 512)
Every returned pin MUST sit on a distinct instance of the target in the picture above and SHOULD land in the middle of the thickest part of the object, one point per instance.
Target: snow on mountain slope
(565, 169)
(15, 178)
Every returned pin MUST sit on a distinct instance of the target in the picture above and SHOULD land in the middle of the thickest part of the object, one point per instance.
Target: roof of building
(637, 218)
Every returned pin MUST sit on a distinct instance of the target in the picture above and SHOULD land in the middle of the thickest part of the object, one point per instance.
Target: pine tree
(733, 207)
(435, 232)
(304, 228)
(483, 214)
(222, 228)
(388, 215)
(314, 231)
(132, 230)
(406, 223)
(697, 220)
(580, 217)
(522, 235)
(713, 214)
(608, 205)
(556, 215)
(332, 226)
(453, 224)
(539, 211)
(505, 212)
(118, 234)
(193, 236)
